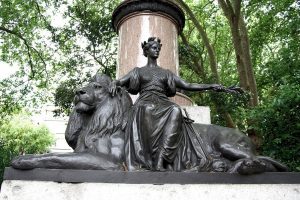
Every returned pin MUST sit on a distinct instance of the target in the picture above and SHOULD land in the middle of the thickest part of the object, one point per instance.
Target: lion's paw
(23, 162)
(251, 166)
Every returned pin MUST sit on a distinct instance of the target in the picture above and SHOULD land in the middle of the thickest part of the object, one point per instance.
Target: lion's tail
(279, 166)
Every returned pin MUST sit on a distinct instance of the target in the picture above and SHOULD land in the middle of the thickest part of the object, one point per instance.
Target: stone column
(137, 20)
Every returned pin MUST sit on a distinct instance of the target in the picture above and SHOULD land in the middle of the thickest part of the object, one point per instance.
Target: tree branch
(26, 44)
(225, 8)
(230, 7)
(29, 48)
(206, 41)
(197, 66)
(228, 56)
(237, 8)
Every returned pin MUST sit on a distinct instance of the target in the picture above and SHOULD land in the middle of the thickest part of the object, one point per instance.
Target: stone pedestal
(88, 185)
(34, 190)
(200, 114)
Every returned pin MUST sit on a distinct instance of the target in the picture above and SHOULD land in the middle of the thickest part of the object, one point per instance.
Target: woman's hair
(147, 45)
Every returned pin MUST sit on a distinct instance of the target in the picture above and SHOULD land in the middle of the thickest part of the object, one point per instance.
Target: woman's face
(154, 50)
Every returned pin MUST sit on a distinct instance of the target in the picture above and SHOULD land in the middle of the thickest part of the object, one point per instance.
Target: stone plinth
(96, 184)
(35, 190)
(200, 114)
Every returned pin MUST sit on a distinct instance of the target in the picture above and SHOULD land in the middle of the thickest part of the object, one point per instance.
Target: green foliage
(53, 41)
(88, 38)
(18, 136)
(275, 38)
(22, 33)
(24, 42)
(64, 94)
(278, 121)
(88, 42)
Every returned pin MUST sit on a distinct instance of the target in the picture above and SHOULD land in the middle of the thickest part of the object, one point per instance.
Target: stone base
(47, 184)
(37, 190)
(200, 114)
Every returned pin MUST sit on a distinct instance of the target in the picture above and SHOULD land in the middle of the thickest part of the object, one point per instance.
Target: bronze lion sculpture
(96, 132)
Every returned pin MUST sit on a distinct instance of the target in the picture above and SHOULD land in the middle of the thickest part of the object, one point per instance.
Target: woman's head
(152, 47)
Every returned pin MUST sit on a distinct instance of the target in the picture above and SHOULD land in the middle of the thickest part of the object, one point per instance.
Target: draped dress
(156, 127)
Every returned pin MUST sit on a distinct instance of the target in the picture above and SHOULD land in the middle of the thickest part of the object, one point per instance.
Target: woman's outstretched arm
(181, 84)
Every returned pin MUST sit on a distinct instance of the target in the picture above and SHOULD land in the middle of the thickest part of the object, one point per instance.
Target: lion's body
(233, 151)
(225, 142)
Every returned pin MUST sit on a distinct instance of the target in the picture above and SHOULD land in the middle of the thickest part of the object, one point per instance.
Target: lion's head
(89, 97)
(96, 112)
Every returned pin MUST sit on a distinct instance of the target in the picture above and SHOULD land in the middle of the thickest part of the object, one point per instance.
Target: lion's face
(88, 97)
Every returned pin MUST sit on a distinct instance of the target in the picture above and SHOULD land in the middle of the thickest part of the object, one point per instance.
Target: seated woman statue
(156, 133)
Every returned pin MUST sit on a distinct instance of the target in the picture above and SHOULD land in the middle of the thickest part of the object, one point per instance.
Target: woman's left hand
(218, 88)
(235, 89)
(231, 89)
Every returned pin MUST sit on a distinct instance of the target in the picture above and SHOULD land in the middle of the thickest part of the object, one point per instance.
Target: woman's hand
(235, 89)
(218, 88)
(231, 89)
(113, 88)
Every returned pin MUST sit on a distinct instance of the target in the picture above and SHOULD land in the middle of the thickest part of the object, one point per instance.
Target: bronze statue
(155, 130)
(95, 131)
(107, 132)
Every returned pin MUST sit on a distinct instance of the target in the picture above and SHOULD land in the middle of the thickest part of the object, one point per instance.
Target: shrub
(278, 122)
(19, 136)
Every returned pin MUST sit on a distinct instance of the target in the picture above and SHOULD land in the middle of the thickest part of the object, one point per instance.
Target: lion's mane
(109, 115)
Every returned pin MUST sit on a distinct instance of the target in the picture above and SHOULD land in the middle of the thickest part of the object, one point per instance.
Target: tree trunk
(210, 50)
(240, 40)
(248, 61)
(198, 67)
(229, 122)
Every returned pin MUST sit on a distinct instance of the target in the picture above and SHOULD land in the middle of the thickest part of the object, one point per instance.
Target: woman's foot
(160, 165)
